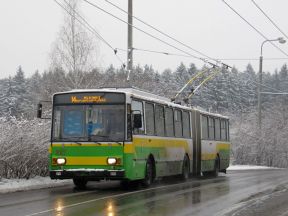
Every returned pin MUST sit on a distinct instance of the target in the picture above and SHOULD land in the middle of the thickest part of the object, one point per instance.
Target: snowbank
(249, 167)
(13, 185)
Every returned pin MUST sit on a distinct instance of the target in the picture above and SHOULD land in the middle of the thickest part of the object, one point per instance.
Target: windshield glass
(89, 123)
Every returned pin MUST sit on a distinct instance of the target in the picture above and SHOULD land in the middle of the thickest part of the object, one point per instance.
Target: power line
(157, 52)
(260, 33)
(84, 20)
(163, 33)
(267, 86)
(250, 59)
(265, 14)
(88, 27)
(177, 54)
(150, 35)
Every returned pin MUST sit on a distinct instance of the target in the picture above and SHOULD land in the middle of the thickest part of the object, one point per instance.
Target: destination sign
(89, 98)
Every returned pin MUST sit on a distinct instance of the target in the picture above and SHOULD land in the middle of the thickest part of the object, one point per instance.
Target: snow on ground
(13, 185)
(249, 167)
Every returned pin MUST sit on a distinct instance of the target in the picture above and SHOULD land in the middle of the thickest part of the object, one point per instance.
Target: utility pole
(259, 92)
(130, 39)
(282, 41)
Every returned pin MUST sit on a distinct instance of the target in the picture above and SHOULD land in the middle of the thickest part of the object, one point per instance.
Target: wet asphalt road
(262, 192)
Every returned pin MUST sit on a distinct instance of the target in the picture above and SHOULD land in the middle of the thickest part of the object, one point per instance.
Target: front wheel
(80, 182)
(148, 180)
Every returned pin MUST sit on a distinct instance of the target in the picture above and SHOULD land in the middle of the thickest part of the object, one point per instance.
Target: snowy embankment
(249, 167)
(13, 185)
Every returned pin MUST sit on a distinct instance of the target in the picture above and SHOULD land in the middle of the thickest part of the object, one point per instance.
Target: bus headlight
(112, 161)
(61, 161)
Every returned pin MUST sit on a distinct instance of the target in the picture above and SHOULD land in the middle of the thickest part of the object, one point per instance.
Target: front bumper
(90, 174)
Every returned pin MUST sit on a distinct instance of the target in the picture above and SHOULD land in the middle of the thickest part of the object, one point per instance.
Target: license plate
(112, 173)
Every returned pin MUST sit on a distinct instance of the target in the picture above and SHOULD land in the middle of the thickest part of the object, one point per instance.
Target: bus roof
(144, 95)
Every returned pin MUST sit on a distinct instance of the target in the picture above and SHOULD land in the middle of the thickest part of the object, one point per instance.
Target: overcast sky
(28, 29)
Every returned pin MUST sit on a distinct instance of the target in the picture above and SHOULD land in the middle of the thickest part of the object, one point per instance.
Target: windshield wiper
(103, 136)
(68, 140)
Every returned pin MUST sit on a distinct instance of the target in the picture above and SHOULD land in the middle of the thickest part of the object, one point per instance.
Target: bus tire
(80, 183)
(149, 173)
(185, 169)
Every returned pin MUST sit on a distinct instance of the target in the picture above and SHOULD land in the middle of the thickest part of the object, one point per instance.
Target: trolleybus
(128, 134)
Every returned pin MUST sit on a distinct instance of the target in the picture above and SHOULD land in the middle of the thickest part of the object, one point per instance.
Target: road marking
(107, 197)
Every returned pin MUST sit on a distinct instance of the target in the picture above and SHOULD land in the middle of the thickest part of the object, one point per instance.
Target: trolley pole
(130, 39)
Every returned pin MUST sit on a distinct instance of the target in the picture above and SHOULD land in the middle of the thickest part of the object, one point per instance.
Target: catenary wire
(265, 14)
(250, 59)
(163, 33)
(180, 55)
(260, 33)
(88, 27)
(150, 35)
(157, 52)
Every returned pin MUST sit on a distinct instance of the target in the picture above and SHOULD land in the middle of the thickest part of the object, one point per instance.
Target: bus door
(196, 132)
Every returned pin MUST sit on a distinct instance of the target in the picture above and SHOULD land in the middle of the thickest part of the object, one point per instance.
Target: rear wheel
(80, 183)
(148, 173)
(185, 169)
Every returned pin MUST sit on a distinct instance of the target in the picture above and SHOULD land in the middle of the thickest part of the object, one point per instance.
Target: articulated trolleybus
(128, 134)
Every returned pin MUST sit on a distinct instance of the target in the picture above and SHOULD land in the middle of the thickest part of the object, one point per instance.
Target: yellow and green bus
(128, 134)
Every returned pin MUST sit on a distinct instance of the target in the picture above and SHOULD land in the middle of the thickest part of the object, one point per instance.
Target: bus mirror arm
(39, 110)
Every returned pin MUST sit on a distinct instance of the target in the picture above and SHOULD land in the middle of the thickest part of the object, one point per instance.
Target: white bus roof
(141, 94)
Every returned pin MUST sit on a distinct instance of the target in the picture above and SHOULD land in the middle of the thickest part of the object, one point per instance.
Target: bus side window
(149, 115)
(136, 107)
(223, 130)
(211, 128)
(178, 123)
(204, 123)
(159, 120)
(186, 125)
(217, 129)
(169, 123)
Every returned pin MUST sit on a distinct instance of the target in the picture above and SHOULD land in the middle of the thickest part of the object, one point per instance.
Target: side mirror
(39, 110)
(137, 120)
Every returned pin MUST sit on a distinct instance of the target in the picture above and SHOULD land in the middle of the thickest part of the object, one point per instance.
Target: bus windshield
(94, 123)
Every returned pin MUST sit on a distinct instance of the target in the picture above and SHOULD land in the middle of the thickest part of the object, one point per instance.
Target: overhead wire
(250, 59)
(88, 27)
(154, 51)
(265, 14)
(150, 35)
(161, 32)
(181, 55)
(260, 33)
